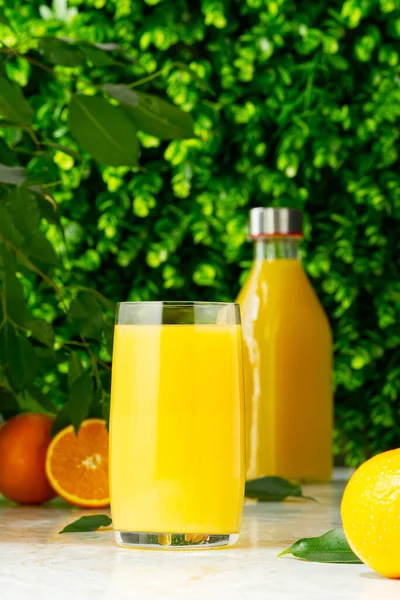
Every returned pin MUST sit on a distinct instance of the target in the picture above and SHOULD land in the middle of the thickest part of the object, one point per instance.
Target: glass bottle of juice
(287, 357)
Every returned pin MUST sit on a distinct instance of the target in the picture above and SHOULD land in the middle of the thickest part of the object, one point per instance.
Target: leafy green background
(295, 104)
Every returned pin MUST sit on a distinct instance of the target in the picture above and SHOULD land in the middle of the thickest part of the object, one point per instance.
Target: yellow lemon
(371, 513)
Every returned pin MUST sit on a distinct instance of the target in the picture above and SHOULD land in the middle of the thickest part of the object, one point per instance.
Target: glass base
(173, 541)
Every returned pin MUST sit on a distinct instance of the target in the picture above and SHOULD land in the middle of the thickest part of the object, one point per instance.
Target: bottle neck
(277, 248)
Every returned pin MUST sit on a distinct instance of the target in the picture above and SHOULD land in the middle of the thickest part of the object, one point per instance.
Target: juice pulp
(177, 433)
(287, 369)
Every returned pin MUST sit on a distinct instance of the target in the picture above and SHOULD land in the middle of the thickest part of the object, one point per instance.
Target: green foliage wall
(295, 104)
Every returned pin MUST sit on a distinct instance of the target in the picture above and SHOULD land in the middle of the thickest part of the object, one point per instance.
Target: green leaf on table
(61, 52)
(273, 489)
(103, 130)
(41, 249)
(89, 523)
(22, 205)
(42, 331)
(86, 316)
(12, 175)
(152, 114)
(331, 547)
(75, 369)
(13, 105)
(22, 360)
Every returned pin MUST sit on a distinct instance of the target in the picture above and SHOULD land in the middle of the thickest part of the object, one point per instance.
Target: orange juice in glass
(176, 428)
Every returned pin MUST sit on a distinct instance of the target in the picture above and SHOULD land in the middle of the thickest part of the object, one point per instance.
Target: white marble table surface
(36, 563)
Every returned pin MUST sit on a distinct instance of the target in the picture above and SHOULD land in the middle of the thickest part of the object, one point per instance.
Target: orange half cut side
(77, 465)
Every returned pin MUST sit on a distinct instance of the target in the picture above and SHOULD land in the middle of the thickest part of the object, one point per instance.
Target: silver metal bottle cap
(275, 221)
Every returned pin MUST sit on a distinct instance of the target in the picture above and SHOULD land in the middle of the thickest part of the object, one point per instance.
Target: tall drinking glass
(176, 429)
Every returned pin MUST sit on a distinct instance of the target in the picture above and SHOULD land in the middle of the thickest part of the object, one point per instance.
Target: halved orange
(77, 465)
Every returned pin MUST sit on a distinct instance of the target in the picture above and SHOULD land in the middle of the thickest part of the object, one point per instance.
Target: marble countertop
(36, 563)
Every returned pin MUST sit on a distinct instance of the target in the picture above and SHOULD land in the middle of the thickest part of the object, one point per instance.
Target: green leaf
(7, 154)
(202, 83)
(42, 250)
(22, 360)
(338, 62)
(41, 170)
(70, 53)
(47, 356)
(89, 523)
(64, 149)
(79, 399)
(8, 229)
(23, 208)
(109, 334)
(12, 290)
(62, 420)
(105, 412)
(13, 105)
(48, 210)
(103, 130)
(61, 52)
(77, 407)
(42, 399)
(152, 114)
(3, 18)
(96, 55)
(100, 408)
(12, 175)
(42, 331)
(8, 403)
(273, 489)
(75, 369)
(86, 316)
(7, 123)
(331, 547)
(108, 304)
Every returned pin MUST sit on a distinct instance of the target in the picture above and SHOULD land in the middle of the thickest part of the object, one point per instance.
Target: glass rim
(177, 303)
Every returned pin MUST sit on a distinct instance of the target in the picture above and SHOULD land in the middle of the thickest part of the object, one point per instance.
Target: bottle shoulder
(276, 288)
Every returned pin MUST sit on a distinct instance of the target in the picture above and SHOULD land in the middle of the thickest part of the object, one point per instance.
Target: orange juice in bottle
(287, 357)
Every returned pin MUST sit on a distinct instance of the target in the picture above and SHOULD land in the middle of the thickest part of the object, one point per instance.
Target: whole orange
(23, 445)
(371, 513)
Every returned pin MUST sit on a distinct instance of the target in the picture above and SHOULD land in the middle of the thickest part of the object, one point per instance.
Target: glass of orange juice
(176, 427)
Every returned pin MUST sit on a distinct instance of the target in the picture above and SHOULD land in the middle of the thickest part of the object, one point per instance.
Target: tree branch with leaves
(102, 123)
